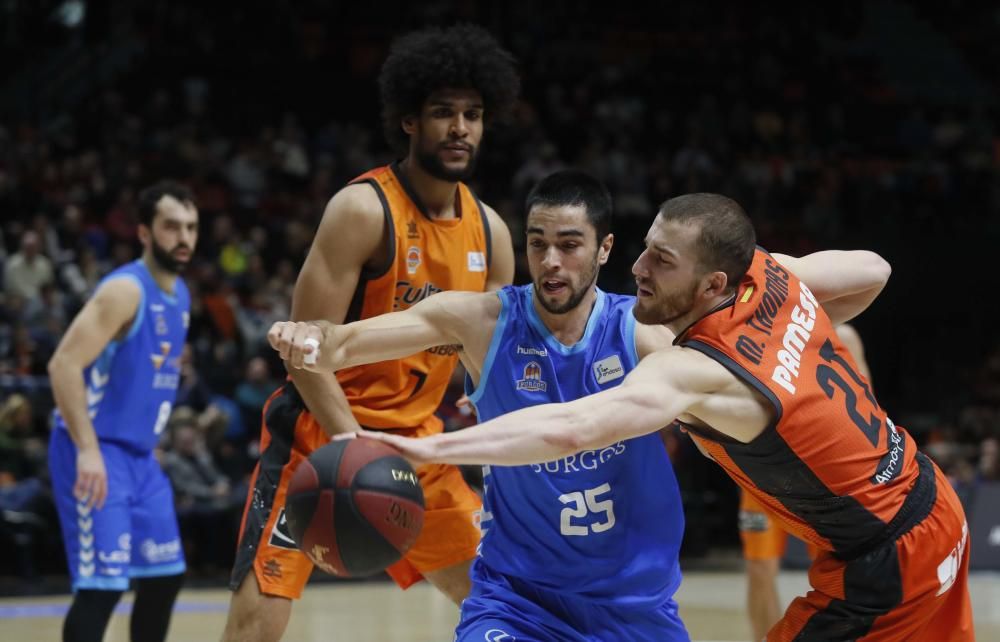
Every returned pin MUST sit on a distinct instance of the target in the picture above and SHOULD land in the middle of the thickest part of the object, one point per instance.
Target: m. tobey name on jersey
(586, 460)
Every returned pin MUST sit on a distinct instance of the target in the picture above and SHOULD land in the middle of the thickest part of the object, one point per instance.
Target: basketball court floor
(712, 605)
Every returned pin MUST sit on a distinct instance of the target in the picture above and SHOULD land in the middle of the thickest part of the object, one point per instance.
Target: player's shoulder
(650, 338)
(493, 218)
(356, 203)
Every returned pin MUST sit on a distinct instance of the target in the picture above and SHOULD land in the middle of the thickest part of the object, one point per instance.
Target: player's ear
(715, 283)
(145, 234)
(409, 124)
(604, 251)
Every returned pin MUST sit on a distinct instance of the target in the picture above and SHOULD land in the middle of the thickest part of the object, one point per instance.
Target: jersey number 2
(828, 378)
(579, 504)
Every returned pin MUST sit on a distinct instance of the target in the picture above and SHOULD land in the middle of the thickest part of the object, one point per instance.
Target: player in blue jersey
(583, 547)
(114, 377)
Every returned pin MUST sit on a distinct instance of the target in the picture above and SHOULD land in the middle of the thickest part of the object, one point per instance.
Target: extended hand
(417, 450)
(302, 344)
(91, 478)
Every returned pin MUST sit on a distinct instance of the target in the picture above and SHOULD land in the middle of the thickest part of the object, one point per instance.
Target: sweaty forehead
(680, 238)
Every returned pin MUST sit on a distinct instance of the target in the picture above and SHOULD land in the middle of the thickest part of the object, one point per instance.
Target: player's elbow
(877, 269)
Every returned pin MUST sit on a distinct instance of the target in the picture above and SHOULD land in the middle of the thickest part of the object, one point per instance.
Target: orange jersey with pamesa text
(832, 466)
(426, 256)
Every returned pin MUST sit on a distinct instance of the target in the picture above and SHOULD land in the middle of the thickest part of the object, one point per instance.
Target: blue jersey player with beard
(114, 377)
(580, 548)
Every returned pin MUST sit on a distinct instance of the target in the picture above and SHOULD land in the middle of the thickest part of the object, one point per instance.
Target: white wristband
(310, 357)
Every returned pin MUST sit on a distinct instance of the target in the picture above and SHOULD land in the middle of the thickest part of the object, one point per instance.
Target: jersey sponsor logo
(157, 553)
(281, 537)
(532, 381)
(797, 335)
(412, 259)
(156, 308)
(476, 262)
(774, 296)
(892, 463)
(608, 369)
(409, 294)
(586, 460)
(538, 352)
(114, 557)
(166, 381)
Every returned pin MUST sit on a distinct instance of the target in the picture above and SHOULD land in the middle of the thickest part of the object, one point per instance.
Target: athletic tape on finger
(310, 357)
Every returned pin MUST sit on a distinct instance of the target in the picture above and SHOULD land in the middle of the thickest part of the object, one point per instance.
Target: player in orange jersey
(766, 388)
(764, 539)
(392, 237)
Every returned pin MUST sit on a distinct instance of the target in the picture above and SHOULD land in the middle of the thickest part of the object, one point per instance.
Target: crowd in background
(790, 115)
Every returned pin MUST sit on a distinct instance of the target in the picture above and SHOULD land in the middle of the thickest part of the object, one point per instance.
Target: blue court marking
(59, 610)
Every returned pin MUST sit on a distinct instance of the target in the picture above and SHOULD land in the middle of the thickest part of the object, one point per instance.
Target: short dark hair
(726, 239)
(150, 196)
(459, 57)
(575, 187)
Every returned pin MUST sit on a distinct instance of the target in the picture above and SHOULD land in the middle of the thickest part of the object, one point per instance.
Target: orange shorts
(763, 538)
(289, 434)
(912, 588)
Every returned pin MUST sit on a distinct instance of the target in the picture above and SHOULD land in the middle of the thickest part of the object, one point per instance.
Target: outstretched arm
(450, 317)
(844, 282)
(663, 386)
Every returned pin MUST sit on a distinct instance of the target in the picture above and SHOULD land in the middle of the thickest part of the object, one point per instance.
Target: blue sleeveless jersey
(604, 525)
(132, 384)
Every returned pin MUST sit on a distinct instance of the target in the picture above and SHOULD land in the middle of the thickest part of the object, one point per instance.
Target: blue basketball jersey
(605, 525)
(132, 384)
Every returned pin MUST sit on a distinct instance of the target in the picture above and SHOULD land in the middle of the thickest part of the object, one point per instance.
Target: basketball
(355, 507)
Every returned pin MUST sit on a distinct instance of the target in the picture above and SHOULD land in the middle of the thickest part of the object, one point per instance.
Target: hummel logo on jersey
(280, 536)
(608, 369)
(532, 381)
(538, 352)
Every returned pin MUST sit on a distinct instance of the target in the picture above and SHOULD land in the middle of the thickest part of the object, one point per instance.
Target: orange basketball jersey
(832, 467)
(426, 256)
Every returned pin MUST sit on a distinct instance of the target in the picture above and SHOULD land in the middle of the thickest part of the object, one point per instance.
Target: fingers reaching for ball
(416, 450)
(299, 343)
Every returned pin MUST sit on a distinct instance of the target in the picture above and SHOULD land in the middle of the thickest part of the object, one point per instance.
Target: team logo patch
(412, 259)
(158, 359)
(532, 381)
(608, 369)
(281, 537)
(477, 262)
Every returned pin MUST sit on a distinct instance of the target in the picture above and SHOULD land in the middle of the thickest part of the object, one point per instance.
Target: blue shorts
(503, 609)
(134, 535)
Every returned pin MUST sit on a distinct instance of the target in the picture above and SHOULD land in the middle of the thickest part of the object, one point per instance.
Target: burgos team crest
(532, 381)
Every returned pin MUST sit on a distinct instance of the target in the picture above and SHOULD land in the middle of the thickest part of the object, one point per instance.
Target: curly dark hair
(459, 57)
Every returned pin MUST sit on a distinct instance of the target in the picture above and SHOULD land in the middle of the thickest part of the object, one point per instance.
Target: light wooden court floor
(712, 605)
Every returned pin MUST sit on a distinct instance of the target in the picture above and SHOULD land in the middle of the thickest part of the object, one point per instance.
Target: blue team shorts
(135, 534)
(503, 609)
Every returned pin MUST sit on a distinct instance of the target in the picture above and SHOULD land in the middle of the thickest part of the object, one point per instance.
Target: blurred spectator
(27, 270)
(253, 391)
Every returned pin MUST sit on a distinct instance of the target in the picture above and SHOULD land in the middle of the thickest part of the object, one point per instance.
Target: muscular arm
(451, 317)
(502, 251)
(663, 386)
(844, 282)
(852, 341)
(350, 234)
(105, 316)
